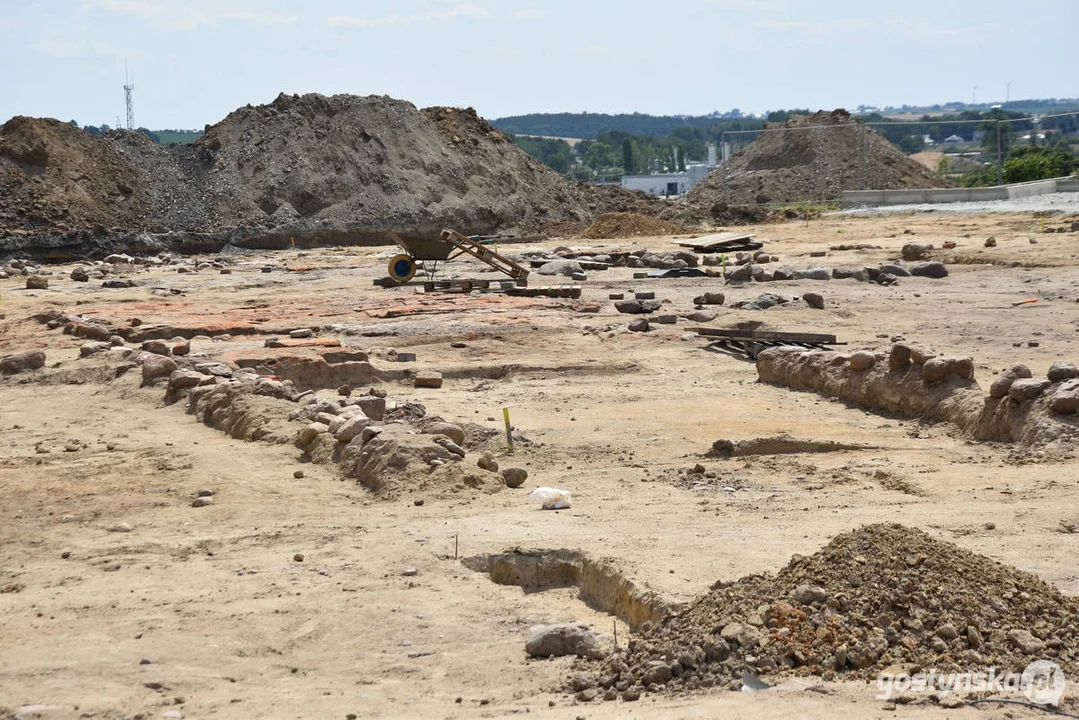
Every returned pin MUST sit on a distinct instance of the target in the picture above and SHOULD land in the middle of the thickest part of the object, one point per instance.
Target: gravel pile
(872, 598)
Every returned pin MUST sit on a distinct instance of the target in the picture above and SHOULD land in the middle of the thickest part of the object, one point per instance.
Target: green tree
(627, 155)
(1037, 163)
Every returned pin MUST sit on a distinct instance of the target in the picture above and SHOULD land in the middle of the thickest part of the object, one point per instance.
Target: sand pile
(810, 158)
(55, 176)
(629, 224)
(302, 165)
(875, 597)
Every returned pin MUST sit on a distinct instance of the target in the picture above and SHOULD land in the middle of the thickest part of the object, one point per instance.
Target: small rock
(1003, 382)
(121, 527)
(514, 477)
(155, 367)
(298, 474)
(639, 325)
(809, 594)
(92, 348)
(410, 572)
(157, 347)
(814, 300)
(37, 282)
(991, 242)
(80, 275)
(1065, 400)
(487, 462)
(202, 501)
(180, 346)
(298, 557)
(710, 298)
(1025, 641)
(916, 251)
(301, 333)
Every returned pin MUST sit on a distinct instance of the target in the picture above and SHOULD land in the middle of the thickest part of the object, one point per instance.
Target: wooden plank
(720, 241)
(791, 337)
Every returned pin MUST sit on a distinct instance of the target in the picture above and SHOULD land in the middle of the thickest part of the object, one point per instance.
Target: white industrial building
(672, 184)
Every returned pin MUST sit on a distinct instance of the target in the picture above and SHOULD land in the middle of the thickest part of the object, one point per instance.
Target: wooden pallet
(722, 242)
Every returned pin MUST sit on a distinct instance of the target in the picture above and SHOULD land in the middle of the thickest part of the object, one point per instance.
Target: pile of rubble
(879, 596)
(804, 159)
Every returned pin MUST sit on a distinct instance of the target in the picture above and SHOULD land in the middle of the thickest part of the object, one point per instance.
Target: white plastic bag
(552, 498)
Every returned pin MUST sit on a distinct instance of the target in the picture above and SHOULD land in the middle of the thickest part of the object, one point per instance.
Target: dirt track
(233, 626)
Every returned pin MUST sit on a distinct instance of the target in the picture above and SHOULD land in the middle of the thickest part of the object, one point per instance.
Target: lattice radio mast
(129, 87)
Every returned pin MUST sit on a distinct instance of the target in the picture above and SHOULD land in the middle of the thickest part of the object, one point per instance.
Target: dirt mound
(874, 597)
(629, 224)
(809, 158)
(55, 176)
(344, 168)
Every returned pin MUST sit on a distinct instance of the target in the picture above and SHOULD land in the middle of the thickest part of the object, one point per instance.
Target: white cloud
(430, 16)
(528, 14)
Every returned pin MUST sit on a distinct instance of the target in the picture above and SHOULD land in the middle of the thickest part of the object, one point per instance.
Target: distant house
(953, 140)
(669, 184)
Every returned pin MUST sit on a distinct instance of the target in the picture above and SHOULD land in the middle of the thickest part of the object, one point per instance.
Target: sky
(193, 61)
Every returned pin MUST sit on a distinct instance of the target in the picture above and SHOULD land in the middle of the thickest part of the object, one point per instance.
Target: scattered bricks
(20, 362)
(666, 319)
(616, 296)
(406, 357)
(645, 295)
(427, 379)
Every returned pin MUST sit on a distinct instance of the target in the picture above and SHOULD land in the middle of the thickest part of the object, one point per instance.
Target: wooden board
(722, 241)
(791, 337)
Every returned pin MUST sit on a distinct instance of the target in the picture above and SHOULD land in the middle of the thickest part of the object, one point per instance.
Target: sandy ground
(204, 612)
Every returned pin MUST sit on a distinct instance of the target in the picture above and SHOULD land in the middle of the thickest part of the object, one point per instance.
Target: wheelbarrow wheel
(402, 267)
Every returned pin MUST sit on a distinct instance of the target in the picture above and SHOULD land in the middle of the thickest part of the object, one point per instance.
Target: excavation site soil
(254, 483)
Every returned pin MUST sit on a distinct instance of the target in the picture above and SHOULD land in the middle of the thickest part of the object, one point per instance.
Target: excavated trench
(600, 585)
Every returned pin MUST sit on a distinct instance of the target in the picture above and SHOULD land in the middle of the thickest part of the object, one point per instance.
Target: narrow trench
(600, 585)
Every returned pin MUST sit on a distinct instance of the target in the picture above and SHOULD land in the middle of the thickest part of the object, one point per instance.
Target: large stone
(929, 269)
(155, 367)
(1061, 370)
(862, 360)
(568, 639)
(453, 432)
(656, 673)
(180, 346)
(373, 406)
(817, 273)
(1025, 641)
(184, 379)
(939, 368)
(809, 594)
(93, 348)
(895, 269)
(1065, 399)
(80, 275)
(1003, 382)
(899, 358)
(560, 267)
(20, 362)
(840, 273)
(306, 436)
(639, 325)
(701, 316)
(741, 273)
(351, 428)
(814, 300)
(157, 347)
(1028, 389)
(745, 635)
(637, 306)
(37, 282)
(514, 477)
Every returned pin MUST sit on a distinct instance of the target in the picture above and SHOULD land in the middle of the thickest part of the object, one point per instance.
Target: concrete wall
(858, 198)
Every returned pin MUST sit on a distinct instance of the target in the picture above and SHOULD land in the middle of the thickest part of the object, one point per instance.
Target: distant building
(953, 140)
(672, 184)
